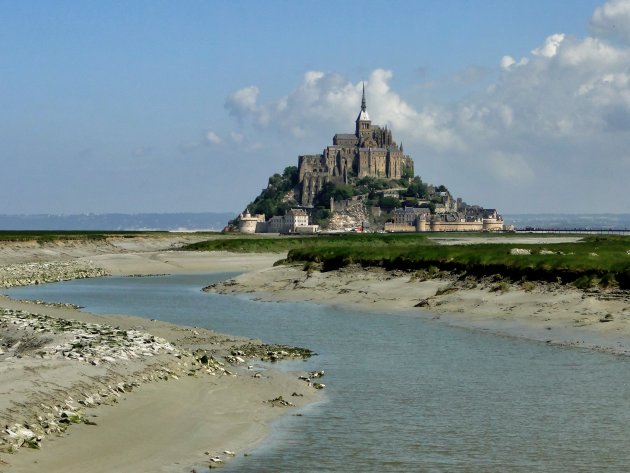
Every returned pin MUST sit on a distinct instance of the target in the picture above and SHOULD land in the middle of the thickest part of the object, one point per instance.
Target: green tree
(271, 200)
(336, 191)
(388, 203)
(417, 189)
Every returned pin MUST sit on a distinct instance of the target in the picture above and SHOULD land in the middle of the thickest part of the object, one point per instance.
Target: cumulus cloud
(550, 48)
(331, 100)
(549, 120)
(612, 20)
(508, 62)
(213, 138)
(242, 103)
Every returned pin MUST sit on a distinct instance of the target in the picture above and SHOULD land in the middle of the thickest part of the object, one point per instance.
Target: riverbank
(163, 397)
(553, 313)
(152, 416)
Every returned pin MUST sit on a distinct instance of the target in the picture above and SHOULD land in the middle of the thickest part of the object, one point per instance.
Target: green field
(61, 235)
(603, 260)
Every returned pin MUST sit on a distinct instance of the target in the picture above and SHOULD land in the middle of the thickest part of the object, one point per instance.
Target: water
(404, 393)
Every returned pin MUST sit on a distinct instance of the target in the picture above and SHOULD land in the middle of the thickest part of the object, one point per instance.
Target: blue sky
(156, 106)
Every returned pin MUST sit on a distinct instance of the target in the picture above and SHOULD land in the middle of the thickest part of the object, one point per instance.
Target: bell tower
(363, 121)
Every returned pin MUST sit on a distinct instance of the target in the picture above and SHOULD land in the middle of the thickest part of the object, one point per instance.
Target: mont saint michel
(363, 181)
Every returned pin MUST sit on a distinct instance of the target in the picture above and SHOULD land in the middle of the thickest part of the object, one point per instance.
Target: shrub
(501, 286)
(608, 280)
(584, 282)
(528, 286)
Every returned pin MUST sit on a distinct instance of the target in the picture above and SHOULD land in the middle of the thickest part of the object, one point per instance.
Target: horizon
(189, 108)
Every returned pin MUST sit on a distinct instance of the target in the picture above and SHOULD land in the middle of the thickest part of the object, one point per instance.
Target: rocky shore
(25, 274)
(126, 394)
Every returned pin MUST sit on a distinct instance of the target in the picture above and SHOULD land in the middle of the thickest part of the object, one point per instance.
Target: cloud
(552, 122)
(213, 138)
(242, 103)
(508, 62)
(550, 48)
(612, 20)
(330, 100)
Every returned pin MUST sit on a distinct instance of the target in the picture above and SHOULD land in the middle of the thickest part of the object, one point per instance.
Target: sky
(169, 106)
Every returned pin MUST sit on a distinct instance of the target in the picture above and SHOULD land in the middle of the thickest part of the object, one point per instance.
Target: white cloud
(508, 62)
(612, 19)
(550, 48)
(553, 122)
(213, 138)
(242, 102)
(327, 99)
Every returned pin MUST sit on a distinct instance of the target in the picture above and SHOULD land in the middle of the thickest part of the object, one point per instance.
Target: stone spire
(363, 105)
(363, 120)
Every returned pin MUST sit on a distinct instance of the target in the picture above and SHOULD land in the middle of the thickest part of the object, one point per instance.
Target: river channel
(404, 393)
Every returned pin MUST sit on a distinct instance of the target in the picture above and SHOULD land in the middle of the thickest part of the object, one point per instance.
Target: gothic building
(370, 151)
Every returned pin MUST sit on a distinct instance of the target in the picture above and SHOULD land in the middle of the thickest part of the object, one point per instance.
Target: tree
(336, 191)
(407, 172)
(388, 202)
(430, 206)
(417, 189)
(271, 200)
(291, 175)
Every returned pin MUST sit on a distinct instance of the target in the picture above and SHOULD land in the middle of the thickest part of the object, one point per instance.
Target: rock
(423, 303)
(520, 251)
(279, 401)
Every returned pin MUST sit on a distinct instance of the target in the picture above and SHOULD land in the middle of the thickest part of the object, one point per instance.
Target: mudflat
(126, 394)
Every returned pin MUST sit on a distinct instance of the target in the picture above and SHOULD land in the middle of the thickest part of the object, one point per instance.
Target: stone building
(294, 221)
(248, 223)
(370, 151)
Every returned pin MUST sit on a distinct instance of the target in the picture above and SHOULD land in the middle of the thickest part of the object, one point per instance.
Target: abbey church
(369, 151)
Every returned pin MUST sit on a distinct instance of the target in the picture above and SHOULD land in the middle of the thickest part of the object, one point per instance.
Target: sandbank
(158, 404)
(550, 313)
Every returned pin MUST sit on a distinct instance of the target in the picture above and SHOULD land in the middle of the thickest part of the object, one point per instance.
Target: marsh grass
(602, 260)
(45, 236)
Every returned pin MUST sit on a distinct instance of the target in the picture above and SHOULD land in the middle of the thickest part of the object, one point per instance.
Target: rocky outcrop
(354, 215)
(24, 274)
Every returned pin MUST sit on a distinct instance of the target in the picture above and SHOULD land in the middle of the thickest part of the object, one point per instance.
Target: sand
(167, 421)
(156, 405)
(551, 313)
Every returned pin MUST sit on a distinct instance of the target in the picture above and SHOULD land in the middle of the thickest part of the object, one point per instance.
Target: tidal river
(404, 393)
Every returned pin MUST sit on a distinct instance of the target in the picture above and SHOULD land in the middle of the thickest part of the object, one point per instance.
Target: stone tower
(369, 152)
(363, 129)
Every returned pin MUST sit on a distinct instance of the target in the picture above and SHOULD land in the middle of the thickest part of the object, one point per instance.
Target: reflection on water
(403, 393)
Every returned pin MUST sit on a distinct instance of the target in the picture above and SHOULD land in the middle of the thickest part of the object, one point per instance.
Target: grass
(325, 243)
(602, 260)
(54, 235)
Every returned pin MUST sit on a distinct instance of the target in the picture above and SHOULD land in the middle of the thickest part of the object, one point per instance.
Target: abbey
(370, 151)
